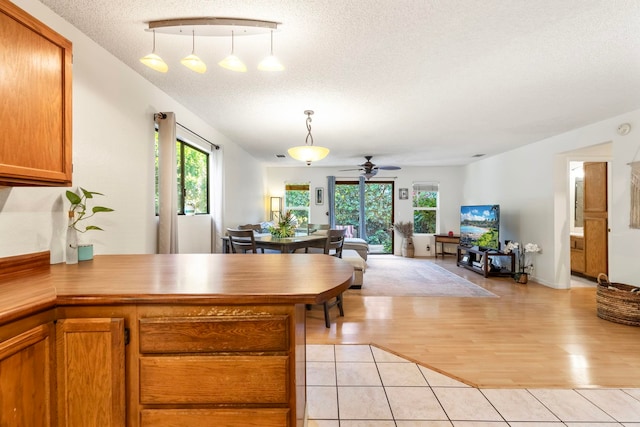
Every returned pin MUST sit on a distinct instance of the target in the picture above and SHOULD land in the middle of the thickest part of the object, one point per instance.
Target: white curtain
(635, 195)
(216, 198)
(168, 184)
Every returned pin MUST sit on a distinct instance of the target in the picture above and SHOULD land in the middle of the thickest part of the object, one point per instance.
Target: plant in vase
(405, 229)
(79, 212)
(285, 227)
(524, 262)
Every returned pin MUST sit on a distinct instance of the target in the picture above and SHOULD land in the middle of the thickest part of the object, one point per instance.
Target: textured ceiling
(411, 82)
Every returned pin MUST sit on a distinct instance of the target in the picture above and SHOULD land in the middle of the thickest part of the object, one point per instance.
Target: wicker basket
(616, 302)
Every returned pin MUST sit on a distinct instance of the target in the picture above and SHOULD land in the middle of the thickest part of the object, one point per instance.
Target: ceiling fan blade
(346, 170)
(388, 168)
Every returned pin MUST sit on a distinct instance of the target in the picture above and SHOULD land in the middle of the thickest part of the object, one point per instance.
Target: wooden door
(595, 219)
(91, 381)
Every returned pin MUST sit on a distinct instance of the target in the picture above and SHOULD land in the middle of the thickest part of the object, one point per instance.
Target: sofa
(358, 245)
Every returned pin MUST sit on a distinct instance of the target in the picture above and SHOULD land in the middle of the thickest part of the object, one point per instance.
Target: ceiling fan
(369, 169)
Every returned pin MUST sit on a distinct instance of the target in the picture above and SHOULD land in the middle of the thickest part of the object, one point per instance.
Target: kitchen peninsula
(160, 340)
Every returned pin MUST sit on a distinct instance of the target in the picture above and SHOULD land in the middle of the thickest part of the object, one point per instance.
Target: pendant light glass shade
(270, 63)
(192, 62)
(232, 62)
(308, 153)
(153, 61)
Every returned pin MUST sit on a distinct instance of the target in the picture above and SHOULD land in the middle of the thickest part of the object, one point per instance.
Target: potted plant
(78, 212)
(405, 229)
(285, 227)
(524, 266)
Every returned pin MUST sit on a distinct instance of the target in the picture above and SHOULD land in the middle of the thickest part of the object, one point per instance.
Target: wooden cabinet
(577, 254)
(27, 378)
(35, 101)
(91, 374)
(486, 262)
(237, 365)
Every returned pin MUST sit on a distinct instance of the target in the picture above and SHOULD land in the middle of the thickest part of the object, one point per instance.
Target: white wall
(113, 134)
(449, 178)
(531, 184)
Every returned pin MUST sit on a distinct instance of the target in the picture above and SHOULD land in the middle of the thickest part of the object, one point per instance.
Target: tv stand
(480, 261)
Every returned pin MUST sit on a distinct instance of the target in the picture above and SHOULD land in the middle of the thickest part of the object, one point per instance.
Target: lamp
(192, 62)
(153, 61)
(276, 207)
(308, 153)
(232, 62)
(217, 27)
(270, 63)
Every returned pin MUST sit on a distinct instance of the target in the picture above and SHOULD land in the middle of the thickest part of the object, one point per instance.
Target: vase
(71, 251)
(408, 250)
(521, 278)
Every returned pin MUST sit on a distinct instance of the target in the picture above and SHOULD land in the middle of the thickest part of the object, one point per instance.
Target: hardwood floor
(532, 336)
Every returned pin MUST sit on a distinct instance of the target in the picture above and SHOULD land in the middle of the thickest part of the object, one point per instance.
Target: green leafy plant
(79, 211)
(286, 227)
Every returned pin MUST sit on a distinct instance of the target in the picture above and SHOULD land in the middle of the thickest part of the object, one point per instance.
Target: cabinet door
(27, 379)
(91, 382)
(35, 101)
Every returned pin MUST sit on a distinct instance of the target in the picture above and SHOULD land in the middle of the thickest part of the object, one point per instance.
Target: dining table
(283, 244)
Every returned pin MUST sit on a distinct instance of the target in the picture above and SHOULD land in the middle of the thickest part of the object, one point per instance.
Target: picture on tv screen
(480, 226)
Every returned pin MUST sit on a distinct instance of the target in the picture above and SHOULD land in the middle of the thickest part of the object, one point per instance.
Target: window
(192, 167)
(425, 208)
(296, 200)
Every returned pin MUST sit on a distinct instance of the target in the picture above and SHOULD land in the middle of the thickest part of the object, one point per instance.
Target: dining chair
(257, 228)
(335, 241)
(241, 241)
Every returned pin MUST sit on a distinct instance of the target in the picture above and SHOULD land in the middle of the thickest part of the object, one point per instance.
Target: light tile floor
(364, 386)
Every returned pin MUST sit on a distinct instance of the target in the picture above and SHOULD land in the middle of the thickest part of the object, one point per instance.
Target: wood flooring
(532, 336)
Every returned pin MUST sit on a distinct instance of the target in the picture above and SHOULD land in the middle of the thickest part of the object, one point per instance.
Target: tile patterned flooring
(364, 386)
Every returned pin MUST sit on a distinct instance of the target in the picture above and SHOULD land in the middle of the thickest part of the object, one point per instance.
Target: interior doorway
(588, 214)
(378, 213)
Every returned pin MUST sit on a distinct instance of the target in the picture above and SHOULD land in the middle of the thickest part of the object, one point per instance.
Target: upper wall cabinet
(35, 101)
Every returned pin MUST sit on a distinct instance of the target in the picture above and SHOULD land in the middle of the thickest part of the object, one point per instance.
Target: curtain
(216, 199)
(361, 209)
(331, 200)
(635, 195)
(168, 185)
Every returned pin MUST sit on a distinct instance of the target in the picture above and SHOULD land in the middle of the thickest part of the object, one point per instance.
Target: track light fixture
(217, 27)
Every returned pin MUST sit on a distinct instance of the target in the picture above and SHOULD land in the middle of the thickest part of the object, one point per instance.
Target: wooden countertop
(178, 279)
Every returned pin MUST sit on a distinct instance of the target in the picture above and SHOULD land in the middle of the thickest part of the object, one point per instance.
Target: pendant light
(270, 63)
(308, 153)
(153, 61)
(232, 62)
(192, 62)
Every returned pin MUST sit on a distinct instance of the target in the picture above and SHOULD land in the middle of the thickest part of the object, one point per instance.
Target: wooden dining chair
(335, 241)
(256, 229)
(241, 241)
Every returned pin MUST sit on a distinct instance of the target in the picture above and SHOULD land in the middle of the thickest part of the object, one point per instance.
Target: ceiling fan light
(154, 62)
(308, 153)
(233, 63)
(194, 63)
(270, 63)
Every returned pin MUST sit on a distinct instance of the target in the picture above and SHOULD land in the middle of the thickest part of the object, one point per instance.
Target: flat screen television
(480, 226)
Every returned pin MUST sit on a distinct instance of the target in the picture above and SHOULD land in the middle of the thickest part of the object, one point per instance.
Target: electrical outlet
(428, 248)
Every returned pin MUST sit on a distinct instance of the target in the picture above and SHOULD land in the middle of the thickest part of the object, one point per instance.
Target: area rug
(388, 275)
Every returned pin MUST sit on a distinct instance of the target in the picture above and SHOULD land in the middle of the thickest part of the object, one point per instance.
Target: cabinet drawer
(214, 334)
(214, 379)
(214, 417)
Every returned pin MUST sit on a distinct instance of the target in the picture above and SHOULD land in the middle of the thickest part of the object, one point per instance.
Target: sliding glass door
(378, 213)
